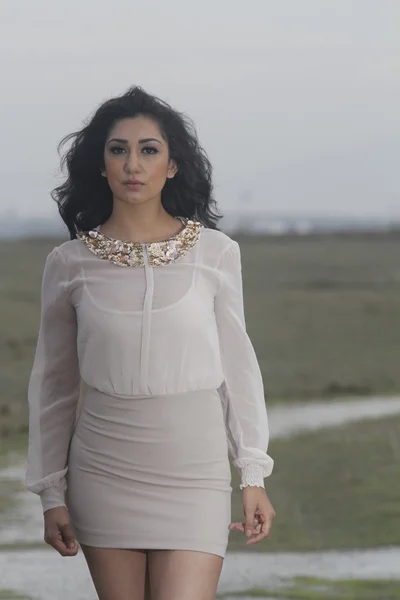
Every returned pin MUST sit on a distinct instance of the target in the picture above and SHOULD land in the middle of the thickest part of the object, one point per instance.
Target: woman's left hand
(259, 513)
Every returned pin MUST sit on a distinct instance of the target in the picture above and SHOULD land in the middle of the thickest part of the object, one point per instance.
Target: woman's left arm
(242, 394)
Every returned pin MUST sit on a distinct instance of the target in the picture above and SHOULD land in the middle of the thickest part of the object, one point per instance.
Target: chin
(128, 195)
(135, 199)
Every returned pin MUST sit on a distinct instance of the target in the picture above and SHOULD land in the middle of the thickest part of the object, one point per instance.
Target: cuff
(252, 475)
(51, 497)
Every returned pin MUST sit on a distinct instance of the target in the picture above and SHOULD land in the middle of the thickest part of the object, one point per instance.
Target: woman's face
(136, 150)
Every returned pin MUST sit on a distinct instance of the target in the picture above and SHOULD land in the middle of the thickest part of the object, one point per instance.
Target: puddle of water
(243, 570)
(24, 522)
(45, 575)
(292, 418)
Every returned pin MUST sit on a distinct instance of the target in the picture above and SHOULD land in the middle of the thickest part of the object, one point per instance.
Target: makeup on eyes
(154, 150)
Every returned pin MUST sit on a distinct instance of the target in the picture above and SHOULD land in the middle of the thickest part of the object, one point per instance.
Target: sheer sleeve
(242, 391)
(54, 387)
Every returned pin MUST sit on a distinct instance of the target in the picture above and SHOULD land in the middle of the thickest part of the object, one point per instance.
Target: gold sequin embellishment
(131, 254)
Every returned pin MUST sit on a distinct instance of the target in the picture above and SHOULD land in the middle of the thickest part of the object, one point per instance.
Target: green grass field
(10, 595)
(323, 313)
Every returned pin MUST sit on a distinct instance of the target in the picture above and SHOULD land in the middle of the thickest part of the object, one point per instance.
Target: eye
(114, 148)
(151, 148)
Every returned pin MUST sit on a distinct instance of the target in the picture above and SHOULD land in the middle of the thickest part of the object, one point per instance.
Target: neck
(141, 224)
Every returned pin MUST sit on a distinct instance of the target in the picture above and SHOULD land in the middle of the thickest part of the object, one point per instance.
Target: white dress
(173, 390)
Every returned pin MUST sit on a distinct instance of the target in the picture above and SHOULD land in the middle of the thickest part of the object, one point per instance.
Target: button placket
(146, 320)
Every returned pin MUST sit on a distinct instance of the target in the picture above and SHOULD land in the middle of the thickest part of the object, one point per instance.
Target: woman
(144, 305)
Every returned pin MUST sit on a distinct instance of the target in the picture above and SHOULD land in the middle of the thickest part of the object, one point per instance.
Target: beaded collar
(131, 254)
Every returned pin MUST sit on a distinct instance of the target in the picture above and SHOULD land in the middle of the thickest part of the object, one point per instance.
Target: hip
(164, 438)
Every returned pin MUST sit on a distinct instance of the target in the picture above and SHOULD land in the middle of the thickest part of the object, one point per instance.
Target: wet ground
(54, 576)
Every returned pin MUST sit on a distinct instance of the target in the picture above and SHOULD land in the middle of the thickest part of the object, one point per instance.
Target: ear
(103, 172)
(172, 169)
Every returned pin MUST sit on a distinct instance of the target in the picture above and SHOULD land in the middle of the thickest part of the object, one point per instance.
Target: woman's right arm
(54, 387)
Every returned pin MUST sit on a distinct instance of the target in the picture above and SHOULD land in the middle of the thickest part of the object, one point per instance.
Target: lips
(133, 182)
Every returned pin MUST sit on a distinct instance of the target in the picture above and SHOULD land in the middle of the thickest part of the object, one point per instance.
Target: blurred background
(296, 103)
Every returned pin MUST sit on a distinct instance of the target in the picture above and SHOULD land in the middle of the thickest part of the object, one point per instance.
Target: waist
(100, 410)
(189, 392)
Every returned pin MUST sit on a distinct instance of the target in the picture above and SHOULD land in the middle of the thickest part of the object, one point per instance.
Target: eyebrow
(142, 141)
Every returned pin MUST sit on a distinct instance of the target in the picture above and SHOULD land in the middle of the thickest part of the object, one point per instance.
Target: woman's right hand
(57, 531)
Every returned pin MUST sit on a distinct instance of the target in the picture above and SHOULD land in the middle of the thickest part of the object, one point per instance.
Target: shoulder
(68, 247)
(63, 252)
(64, 249)
(218, 251)
(58, 260)
(218, 240)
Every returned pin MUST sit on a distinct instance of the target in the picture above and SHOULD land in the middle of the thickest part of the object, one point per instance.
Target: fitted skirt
(150, 472)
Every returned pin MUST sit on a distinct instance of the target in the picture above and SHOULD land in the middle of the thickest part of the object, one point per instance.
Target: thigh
(117, 574)
(183, 574)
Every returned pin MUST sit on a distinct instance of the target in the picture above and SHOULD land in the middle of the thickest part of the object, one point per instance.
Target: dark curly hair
(85, 199)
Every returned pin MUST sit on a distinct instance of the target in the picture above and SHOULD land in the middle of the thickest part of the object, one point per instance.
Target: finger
(240, 527)
(67, 535)
(237, 526)
(266, 526)
(257, 538)
(55, 539)
(249, 523)
(265, 530)
(57, 543)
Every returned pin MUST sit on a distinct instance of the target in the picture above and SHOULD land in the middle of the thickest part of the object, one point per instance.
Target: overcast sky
(296, 101)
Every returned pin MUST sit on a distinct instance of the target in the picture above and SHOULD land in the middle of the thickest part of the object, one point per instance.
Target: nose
(132, 162)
